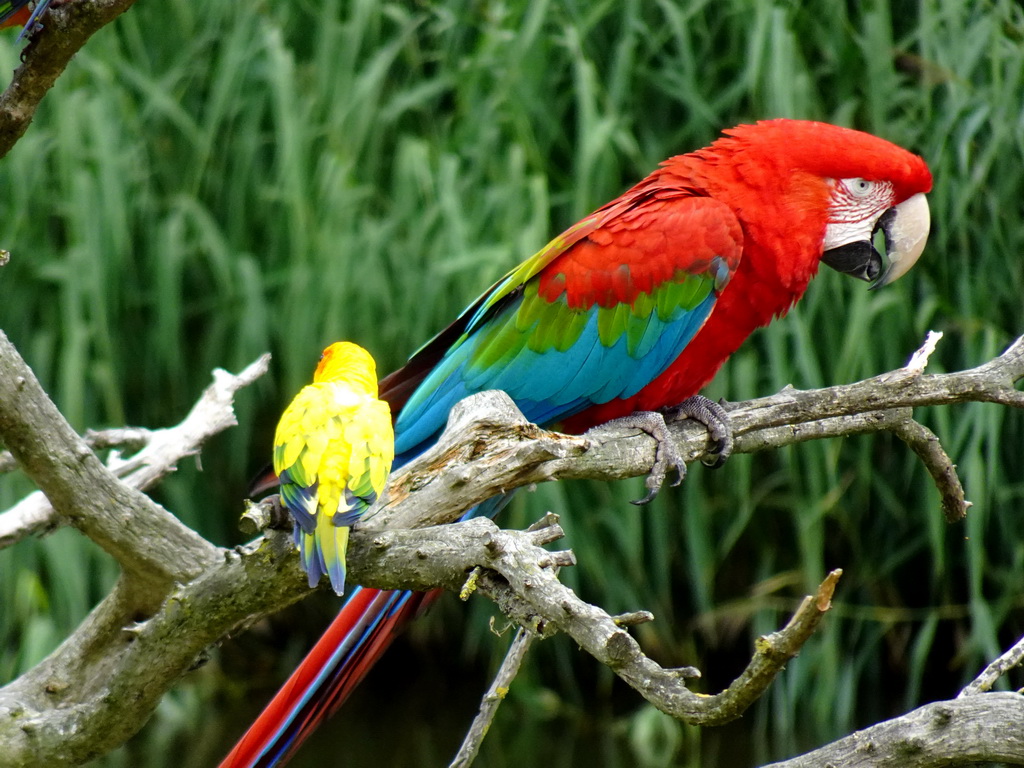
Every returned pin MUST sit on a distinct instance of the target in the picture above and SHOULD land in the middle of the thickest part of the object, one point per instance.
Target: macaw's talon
(713, 416)
(667, 458)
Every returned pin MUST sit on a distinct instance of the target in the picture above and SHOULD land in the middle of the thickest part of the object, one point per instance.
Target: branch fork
(492, 449)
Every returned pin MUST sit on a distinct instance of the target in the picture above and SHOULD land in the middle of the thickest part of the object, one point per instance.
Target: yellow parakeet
(333, 450)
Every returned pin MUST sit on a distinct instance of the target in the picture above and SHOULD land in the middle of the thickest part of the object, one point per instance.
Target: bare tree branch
(492, 699)
(521, 579)
(975, 729)
(67, 27)
(163, 449)
(152, 546)
(499, 450)
(102, 683)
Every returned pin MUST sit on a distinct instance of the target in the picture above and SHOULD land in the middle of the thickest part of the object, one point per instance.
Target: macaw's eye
(860, 187)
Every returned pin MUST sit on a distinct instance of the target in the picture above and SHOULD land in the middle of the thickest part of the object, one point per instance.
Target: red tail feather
(357, 637)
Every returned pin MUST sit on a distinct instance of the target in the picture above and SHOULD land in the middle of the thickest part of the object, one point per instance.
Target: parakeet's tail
(361, 632)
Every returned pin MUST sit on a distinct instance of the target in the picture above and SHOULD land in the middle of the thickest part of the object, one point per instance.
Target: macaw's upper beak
(905, 229)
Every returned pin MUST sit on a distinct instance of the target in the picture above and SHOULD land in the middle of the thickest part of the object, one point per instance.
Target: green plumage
(542, 326)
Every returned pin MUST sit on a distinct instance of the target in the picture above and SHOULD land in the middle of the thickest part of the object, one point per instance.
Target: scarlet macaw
(633, 308)
(17, 12)
(333, 450)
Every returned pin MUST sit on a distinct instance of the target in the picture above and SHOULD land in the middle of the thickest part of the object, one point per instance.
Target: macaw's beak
(905, 229)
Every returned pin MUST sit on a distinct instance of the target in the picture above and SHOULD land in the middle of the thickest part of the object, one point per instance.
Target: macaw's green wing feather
(595, 316)
(9, 12)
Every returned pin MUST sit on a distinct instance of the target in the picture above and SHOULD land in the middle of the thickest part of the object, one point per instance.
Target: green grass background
(210, 181)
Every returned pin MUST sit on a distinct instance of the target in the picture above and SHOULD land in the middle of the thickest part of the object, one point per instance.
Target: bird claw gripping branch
(667, 458)
(715, 418)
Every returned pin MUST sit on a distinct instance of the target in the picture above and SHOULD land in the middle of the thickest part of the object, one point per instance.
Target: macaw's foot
(666, 459)
(713, 416)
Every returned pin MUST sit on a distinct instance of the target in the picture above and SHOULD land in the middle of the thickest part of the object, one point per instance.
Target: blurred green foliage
(210, 181)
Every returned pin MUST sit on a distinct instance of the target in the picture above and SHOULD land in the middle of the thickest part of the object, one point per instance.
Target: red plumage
(775, 178)
(256, 748)
(633, 253)
(18, 16)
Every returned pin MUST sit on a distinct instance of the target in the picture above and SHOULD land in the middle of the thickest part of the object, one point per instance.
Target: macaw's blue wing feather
(552, 376)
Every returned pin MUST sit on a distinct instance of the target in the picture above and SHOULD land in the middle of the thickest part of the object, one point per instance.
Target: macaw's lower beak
(905, 229)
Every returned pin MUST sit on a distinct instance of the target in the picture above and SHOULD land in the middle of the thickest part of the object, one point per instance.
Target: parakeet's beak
(905, 230)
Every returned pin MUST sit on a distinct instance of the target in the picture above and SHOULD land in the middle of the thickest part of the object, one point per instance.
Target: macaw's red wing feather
(361, 632)
(18, 13)
(13, 14)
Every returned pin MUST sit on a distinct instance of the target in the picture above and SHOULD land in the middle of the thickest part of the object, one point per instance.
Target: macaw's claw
(713, 416)
(667, 459)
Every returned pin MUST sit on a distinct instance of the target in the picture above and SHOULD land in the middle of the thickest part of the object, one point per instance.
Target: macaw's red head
(811, 192)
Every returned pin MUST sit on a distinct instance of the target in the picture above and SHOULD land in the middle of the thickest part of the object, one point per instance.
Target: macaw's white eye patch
(852, 246)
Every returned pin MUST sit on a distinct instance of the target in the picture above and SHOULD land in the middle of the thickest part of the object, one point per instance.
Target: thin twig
(926, 445)
(164, 448)
(919, 360)
(773, 651)
(633, 618)
(493, 698)
(994, 671)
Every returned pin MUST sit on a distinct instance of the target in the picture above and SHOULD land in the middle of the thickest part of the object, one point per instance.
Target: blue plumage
(552, 384)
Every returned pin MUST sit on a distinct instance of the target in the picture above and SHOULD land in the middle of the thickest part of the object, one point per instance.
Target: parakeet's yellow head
(346, 361)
